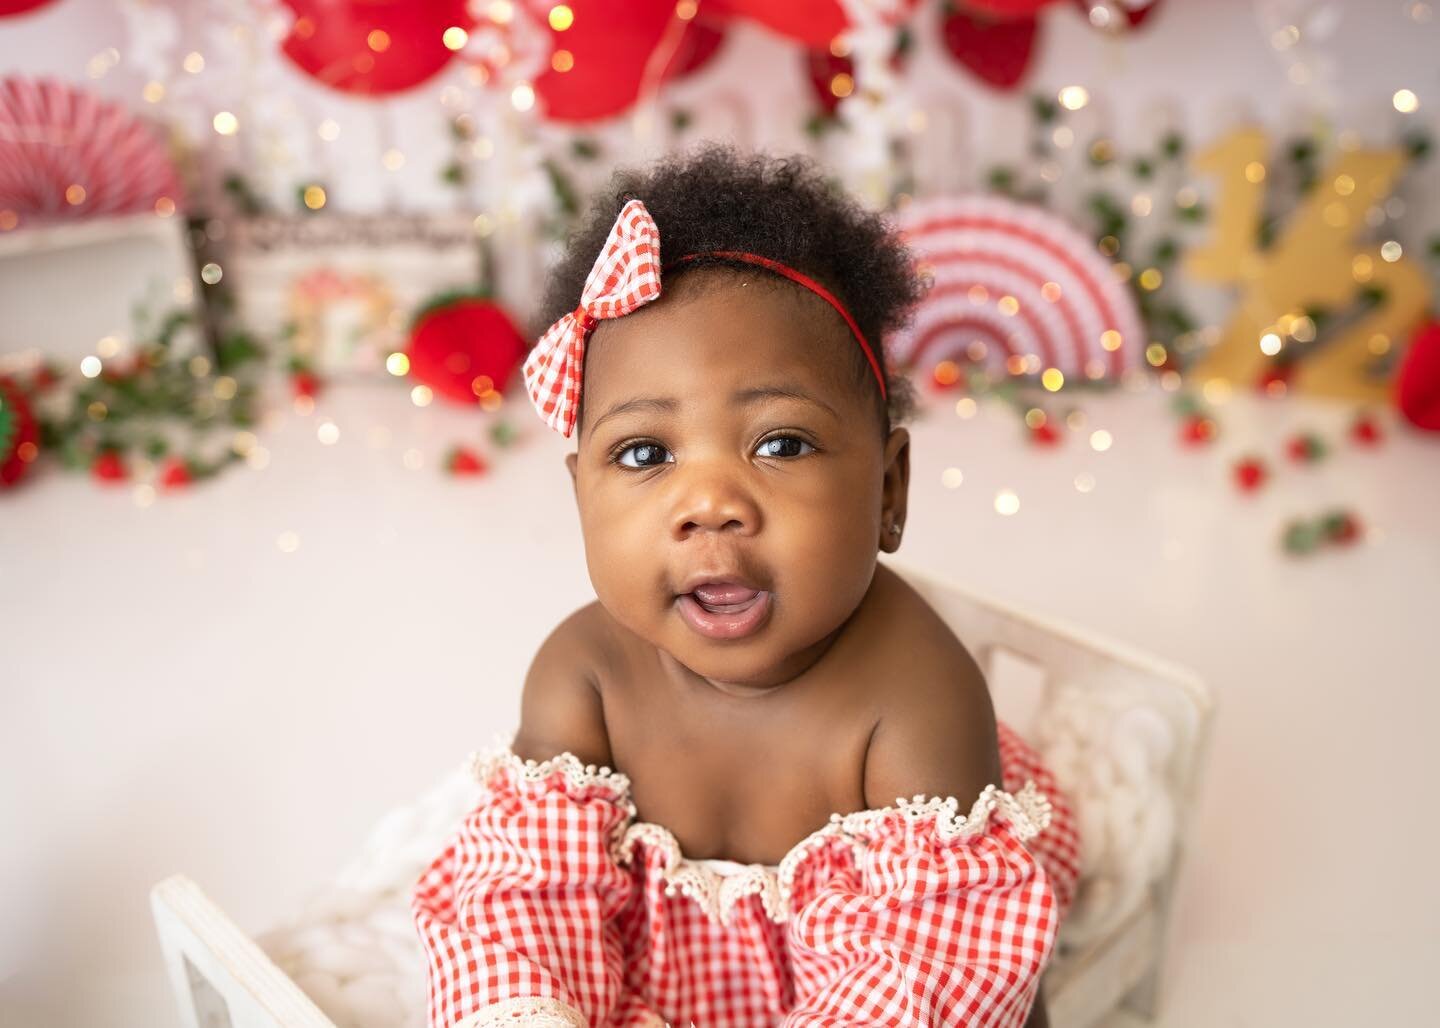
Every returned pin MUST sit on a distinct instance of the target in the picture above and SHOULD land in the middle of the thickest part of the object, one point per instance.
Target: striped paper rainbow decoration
(1016, 287)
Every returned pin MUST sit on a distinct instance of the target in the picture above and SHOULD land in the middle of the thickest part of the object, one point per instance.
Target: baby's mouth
(724, 610)
(726, 598)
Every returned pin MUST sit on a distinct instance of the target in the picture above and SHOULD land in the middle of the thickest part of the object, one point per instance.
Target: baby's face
(734, 486)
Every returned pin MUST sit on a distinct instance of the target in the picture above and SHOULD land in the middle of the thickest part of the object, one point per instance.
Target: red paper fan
(65, 153)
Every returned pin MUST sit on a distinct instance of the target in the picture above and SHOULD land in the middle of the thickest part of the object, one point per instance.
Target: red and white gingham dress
(552, 906)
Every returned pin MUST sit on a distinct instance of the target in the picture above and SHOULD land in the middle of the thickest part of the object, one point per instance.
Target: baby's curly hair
(783, 208)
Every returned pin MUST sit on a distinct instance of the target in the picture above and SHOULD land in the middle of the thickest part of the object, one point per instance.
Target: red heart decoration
(1417, 386)
(996, 50)
(453, 345)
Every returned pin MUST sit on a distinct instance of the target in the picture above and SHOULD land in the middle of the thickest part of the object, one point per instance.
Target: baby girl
(697, 821)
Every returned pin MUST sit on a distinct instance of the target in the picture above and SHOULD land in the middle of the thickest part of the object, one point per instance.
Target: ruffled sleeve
(925, 917)
(517, 915)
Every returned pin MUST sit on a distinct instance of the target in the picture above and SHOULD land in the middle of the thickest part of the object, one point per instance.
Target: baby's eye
(784, 446)
(647, 455)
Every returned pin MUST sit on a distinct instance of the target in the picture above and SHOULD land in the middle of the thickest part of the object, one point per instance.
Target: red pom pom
(465, 349)
(109, 466)
(1250, 474)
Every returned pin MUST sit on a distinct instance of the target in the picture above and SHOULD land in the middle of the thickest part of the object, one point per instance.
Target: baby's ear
(570, 459)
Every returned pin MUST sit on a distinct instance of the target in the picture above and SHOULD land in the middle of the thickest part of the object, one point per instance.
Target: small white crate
(222, 978)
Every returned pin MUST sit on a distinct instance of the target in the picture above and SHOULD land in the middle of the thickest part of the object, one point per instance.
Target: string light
(1405, 101)
(1053, 379)
(393, 159)
(1101, 440)
(90, 367)
(842, 85)
(1084, 482)
(522, 97)
(561, 17)
(455, 38)
(378, 40)
(211, 274)
(288, 542)
(1344, 185)
(1006, 502)
(314, 197)
(75, 194)
(398, 364)
(1072, 98)
(1270, 344)
(1051, 291)
(153, 92)
(1255, 172)
(329, 130)
(687, 9)
(164, 206)
(421, 396)
(1390, 251)
(328, 433)
(194, 63)
(562, 61)
(1110, 339)
(965, 407)
(226, 123)
(951, 478)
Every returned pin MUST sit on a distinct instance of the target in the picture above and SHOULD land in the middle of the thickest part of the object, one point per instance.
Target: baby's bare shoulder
(935, 729)
(560, 708)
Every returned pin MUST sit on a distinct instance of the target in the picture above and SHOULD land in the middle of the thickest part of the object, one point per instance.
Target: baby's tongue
(724, 595)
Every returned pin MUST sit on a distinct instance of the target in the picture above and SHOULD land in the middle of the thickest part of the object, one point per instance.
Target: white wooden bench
(223, 979)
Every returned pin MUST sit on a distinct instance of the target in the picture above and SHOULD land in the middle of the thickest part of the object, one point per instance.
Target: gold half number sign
(1315, 262)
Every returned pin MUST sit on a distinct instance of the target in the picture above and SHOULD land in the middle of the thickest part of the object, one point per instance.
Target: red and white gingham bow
(626, 275)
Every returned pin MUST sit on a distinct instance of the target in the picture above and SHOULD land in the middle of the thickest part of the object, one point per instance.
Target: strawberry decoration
(1341, 527)
(1250, 474)
(1044, 434)
(1365, 430)
(1197, 430)
(175, 473)
(109, 466)
(462, 460)
(305, 383)
(19, 434)
(1306, 448)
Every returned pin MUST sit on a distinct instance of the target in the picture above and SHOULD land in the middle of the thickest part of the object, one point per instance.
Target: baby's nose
(713, 499)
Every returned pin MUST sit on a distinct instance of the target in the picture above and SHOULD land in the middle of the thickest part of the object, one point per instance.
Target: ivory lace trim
(1027, 811)
(526, 1011)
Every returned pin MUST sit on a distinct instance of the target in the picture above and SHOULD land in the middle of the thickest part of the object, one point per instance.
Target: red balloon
(457, 343)
(997, 51)
(1134, 16)
(1417, 386)
(812, 22)
(1005, 8)
(374, 47)
(611, 43)
(9, 7)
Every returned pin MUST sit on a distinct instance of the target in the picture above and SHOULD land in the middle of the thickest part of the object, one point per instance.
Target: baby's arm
(560, 709)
